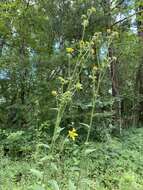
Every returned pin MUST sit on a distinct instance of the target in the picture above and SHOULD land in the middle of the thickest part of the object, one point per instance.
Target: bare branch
(118, 5)
(126, 18)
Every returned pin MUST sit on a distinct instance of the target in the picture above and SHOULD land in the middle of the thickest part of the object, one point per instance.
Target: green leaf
(58, 132)
(54, 109)
(54, 185)
(43, 145)
(44, 159)
(86, 125)
(71, 186)
(38, 187)
(54, 167)
(37, 173)
(88, 151)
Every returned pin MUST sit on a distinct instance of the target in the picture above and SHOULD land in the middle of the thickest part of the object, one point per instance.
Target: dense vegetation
(71, 94)
(115, 164)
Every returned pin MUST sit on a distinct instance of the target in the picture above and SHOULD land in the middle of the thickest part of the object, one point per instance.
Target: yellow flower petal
(72, 134)
(69, 50)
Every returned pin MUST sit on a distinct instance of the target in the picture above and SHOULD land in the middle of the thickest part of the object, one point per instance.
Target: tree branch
(118, 4)
(126, 18)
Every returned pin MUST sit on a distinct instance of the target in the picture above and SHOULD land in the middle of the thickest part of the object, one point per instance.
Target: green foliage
(18, 143)
(68, 88)
(116, 164)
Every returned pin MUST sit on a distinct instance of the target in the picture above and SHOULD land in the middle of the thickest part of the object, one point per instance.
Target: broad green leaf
(54, 185)
(88, 151)
(71, 186)
(38, 187)
(37, 173)
(54, 167)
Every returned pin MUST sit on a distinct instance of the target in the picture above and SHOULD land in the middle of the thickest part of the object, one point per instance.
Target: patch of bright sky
(31, 2)
(3, 74)
(133, 23)
(121, 16)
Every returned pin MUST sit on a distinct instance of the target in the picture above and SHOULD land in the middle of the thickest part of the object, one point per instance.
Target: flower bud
(54, 93)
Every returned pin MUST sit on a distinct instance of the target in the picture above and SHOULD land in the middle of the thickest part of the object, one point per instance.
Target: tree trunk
(113, 64)
(139, 76)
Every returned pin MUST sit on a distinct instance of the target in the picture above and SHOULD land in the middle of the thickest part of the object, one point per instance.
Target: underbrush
(113, 165)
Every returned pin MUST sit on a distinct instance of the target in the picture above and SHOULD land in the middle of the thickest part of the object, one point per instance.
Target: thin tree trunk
(113, 64)
(139, 76)
(1, 45)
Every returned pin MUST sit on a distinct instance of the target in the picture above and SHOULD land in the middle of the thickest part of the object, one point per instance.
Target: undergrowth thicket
(115, 164)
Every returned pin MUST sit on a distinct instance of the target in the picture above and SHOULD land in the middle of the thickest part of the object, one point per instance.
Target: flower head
(81, 44)
(69, 50)
(95, 68)
(108, 30)
(54, 93)
(73, 134)
(79, 86)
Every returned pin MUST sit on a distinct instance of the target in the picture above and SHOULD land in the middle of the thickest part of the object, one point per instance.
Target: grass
(114, 165)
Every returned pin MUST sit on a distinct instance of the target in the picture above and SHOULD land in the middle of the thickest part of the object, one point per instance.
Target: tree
(139, 78)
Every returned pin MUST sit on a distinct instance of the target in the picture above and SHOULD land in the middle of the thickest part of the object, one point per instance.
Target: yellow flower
(73, 134)
(69, 50)
(54, 93)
